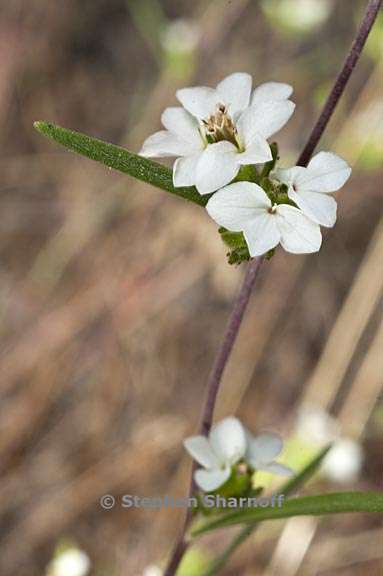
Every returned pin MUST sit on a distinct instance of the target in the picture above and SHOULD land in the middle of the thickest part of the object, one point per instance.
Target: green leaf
(288, 488)
(320, 505)
(119, 159)
(221, 561)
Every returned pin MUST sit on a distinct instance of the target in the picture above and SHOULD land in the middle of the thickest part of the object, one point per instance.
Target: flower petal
(319, 207)
(179, 122)
(228, 441)
(164, 144)
(279, 469)
(262, 234)
(216, 167)
(200, 450)
(235, 91)
(184, 170)
(209, 480)
(264, 118)
(326, 172)
(236, 205)
(263, 448)
(289, 176)
(257, 152)
(199, 101)
(271, 91)
(299, 234)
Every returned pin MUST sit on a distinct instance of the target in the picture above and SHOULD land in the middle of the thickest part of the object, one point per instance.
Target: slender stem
(243, 297)
(212, 388)
(226, 347)
(341, 80)
(222, 559)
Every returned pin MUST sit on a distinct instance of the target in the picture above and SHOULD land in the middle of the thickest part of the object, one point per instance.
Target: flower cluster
(219, 137)
(229, 445)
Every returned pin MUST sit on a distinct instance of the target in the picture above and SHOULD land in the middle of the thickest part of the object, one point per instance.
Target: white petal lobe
(179, 122)
(318, 207)
(271, 91)
(272, 116)
(264, 119)
(257, 152)
(228, 440)
(184, 170)
(289, 175)
(199, 101)
(209, 480)
(165, 144)
(200, 450)
(236, 205)
(263, 448)
(262, 235)
(216, 167)
(235, 91)
(326, 172)
(299, 234)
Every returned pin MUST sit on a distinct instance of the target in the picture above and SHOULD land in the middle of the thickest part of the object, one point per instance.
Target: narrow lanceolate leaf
(323, 504)
(119, 159)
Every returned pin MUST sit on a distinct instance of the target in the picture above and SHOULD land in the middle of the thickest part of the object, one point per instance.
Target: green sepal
(232, 239)
(269, 166)
(238, 255)
(247, 173)
(236, 486)
(236, 242)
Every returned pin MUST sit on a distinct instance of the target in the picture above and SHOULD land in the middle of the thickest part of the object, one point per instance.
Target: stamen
(221, 127)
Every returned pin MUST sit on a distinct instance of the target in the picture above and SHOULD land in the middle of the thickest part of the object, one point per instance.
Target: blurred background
(114, 295)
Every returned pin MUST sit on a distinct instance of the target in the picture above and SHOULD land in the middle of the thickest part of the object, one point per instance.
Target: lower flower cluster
(231, 454)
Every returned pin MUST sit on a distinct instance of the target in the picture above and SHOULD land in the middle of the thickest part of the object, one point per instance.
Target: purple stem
(341, 80)
(226, 347)
(212, 388)
(243, 297)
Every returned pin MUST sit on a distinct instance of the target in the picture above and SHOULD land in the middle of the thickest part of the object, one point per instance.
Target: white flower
(181, 35)
(228, 443)
(298, 15)
(309, 187)
(261, 451)
(344, 461)
(245, 207)
(314, 425)
(225, 446)
(219, 130)
(71, 562)
(152, 570)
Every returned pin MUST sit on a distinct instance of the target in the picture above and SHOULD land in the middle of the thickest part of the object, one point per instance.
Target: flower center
(273, 209)
(219, 126)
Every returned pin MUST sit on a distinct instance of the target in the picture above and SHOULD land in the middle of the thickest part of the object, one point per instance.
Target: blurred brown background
(114, 295)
